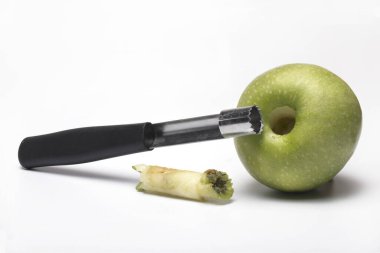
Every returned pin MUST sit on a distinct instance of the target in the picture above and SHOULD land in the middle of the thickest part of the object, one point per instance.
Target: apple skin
(327, 127)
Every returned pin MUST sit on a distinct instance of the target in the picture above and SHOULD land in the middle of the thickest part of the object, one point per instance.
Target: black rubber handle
(83, 145)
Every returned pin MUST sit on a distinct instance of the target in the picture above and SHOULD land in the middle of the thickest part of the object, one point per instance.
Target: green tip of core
(220, 182)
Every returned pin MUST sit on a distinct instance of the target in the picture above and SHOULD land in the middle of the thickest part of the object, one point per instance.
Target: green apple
(312, 123)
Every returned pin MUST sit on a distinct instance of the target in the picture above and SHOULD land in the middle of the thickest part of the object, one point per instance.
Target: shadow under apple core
(91, 175)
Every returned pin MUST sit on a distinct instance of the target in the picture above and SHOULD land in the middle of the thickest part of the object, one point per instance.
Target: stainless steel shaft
(229, 123)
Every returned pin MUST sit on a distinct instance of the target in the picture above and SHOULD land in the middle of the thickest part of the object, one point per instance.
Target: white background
(67, 64)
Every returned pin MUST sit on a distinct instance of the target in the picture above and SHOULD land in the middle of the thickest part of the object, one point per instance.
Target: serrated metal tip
(255, 119)
(240, 121)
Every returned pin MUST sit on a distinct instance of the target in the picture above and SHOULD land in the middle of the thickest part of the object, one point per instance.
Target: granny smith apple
(312, 123)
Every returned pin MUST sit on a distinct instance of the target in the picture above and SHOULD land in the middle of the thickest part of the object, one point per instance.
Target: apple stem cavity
(282, 120)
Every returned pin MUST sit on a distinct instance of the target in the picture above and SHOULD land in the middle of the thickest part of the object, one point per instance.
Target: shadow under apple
(342, 186)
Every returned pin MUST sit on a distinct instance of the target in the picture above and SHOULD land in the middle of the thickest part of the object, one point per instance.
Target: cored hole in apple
(282, 120)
